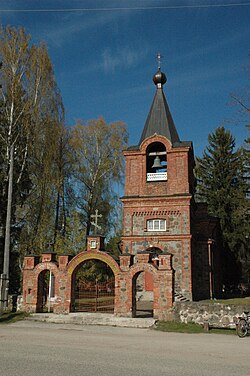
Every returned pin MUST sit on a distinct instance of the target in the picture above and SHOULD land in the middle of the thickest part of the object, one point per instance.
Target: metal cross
(96, 216)
(158, 58)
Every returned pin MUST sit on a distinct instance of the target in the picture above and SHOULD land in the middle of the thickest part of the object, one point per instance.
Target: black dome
(159, 78)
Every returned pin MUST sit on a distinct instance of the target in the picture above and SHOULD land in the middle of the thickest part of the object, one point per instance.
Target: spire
(159, 120)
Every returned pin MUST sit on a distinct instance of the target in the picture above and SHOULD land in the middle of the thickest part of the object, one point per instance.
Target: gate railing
(94, 296)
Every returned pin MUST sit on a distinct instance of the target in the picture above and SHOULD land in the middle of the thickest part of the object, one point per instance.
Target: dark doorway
(93, 288)
(46, 293)
(143, 295)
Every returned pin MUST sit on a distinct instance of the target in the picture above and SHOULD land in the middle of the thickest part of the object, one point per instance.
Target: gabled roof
(159, 120)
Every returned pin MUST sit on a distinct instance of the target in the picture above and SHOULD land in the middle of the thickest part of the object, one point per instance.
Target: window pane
(150, 225)
(162, 225)
(156, 224)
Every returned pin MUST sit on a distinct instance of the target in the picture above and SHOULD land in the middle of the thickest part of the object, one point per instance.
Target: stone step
(86, 318)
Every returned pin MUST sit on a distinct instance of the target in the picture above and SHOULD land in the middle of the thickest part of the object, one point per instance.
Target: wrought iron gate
(94, 296)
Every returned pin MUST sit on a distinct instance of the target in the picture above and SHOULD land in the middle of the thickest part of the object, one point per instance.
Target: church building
(160, 213)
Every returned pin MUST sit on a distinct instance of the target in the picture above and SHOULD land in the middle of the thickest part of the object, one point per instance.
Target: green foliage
(114, 245)
(222, 183)
(60, 177)
(94, 270)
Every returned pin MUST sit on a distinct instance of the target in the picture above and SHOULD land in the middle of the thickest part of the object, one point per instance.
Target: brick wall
(188, 225)
(180, 176)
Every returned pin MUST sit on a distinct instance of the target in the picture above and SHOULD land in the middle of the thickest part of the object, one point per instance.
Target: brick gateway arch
(63, 267)
(96, 296)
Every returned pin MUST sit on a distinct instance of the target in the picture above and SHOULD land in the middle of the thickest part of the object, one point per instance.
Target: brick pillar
(63, 261)
(165, 261)
(126, 260)
(48, 256)
(125, 294)
(95, 243)
(31, 261)
(164, 287)
(30, 283)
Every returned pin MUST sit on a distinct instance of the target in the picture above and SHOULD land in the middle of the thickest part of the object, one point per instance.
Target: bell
(157, 162)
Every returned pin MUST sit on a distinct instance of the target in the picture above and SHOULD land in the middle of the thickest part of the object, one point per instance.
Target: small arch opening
(143, 294)
(46, 291)
(156, 163)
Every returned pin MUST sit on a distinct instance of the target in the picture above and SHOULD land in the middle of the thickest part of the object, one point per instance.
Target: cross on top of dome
(159, 77)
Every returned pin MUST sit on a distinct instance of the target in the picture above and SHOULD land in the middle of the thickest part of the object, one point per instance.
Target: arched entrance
(143, 294)
(46, 291)
(93, 287)
(97, 272)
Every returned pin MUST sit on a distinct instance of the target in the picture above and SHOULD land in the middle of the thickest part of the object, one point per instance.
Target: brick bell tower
(158, 193)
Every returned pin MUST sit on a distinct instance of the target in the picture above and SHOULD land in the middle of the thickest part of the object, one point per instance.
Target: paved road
(29, 348)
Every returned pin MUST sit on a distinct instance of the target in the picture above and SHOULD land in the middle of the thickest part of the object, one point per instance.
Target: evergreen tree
(222, 184)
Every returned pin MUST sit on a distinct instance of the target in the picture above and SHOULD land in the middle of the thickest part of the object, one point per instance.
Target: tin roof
(159, 120)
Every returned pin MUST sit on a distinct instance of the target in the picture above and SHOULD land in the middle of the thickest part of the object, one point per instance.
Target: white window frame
(156, 225)
(93, 244)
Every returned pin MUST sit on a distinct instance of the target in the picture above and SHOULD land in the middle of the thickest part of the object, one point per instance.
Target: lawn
(236, 301)
(10, 317)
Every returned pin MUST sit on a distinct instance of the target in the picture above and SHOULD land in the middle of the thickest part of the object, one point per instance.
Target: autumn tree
(44, 213)
(30, 122)
(98, 167)
(222, 185)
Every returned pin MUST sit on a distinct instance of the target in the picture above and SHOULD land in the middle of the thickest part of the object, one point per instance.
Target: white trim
(92, 244)
(157, 176)
(156, 225)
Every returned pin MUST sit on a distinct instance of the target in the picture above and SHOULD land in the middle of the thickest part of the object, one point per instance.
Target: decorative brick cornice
(155, 213)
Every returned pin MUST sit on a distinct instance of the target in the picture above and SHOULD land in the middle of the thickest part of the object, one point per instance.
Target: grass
(172, 326)
(10, 317)
(191, 328)
(235, 301)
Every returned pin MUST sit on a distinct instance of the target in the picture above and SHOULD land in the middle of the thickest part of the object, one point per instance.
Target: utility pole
(6, 262)
(4, 277)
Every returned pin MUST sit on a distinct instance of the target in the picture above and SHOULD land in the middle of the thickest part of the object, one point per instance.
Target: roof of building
(159, 120)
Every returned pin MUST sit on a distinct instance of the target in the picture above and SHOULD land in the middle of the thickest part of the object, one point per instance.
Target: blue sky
(104, 58)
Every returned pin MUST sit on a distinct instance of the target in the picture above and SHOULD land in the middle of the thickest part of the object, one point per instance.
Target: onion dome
(159, 78)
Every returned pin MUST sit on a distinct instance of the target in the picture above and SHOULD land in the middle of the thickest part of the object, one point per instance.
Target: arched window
(156, 162)
(156, 225)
